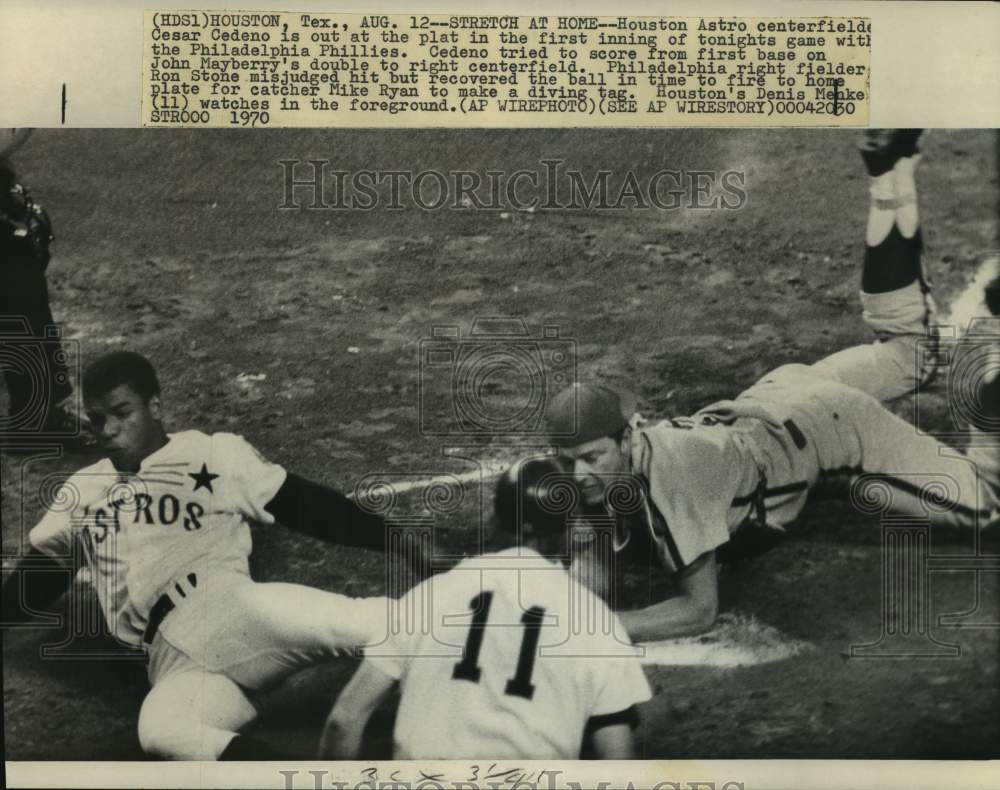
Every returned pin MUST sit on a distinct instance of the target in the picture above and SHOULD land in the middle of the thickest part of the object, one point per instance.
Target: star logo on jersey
(203, 479)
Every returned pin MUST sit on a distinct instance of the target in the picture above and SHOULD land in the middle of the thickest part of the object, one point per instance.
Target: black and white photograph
(443, 398)
(500, 444)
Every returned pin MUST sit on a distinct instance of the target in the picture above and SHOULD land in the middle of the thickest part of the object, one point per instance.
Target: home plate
(736, 641)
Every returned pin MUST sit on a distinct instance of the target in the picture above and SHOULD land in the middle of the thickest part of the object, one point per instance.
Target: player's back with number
(535, 656)
(506, 655)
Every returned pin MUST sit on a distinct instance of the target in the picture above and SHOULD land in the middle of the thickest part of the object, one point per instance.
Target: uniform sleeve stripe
(797, 436)
(629, 716)
(651, 512)
(789, 488)
(675, 553)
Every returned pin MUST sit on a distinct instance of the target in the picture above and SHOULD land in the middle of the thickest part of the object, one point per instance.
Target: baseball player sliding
(161, 524)
(500, 668)
(747, 464)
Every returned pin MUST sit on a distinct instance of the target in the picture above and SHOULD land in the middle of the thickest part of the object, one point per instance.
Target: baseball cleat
(882, 148)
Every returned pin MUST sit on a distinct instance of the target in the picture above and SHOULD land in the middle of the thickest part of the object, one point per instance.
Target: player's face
(126, 425)
(594, 463)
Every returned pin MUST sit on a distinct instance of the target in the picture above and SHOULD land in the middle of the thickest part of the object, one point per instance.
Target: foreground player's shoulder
(602, 659)
(613, 666)
(458, 583)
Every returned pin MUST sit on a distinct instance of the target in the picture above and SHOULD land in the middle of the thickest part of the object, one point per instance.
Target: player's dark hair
(535, 497)
(117, 368)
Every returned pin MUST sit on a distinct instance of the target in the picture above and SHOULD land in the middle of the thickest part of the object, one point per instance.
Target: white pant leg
(908, 472)
(259, 634)
(275, 629)
(900, 359)
(191, 714)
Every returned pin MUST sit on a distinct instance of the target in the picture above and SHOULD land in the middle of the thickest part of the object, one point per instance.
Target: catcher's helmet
(584, 412)
(539, 492)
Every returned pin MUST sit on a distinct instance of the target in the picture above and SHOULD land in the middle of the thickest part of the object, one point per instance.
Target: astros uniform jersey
(186, 510)
(498, 667)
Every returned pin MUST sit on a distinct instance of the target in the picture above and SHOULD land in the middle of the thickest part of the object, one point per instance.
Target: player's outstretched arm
(692, 611)
(324, 513)
(345, 726)
(35, 591)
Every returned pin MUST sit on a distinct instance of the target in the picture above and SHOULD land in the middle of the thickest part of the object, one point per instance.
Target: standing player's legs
(895, 296)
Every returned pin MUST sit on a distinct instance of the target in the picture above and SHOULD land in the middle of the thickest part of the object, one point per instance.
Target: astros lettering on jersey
(186, 509)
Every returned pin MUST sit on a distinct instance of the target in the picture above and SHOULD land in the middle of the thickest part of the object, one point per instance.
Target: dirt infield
(302, 330)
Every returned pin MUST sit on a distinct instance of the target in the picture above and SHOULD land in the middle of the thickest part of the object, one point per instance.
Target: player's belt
(164, 605)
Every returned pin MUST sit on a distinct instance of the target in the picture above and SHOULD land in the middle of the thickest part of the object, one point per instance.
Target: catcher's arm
(692, 611)
(36, 583)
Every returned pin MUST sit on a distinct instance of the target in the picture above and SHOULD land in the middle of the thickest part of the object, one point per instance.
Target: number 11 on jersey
(468, 668)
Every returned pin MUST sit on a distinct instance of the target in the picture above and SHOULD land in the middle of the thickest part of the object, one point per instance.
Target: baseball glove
(25, 226)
